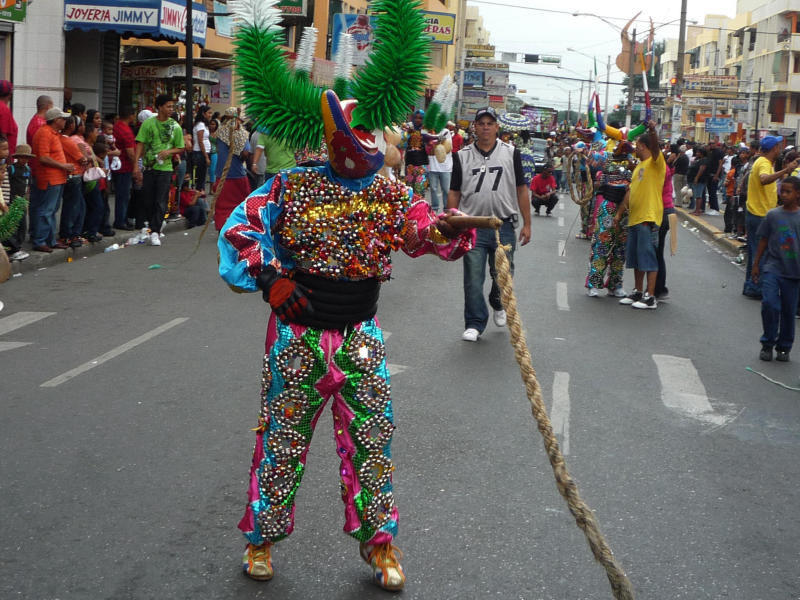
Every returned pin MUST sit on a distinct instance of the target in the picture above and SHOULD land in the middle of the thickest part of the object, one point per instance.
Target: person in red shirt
(192, 206)
(51, 175)
(8, 126)
(543, 190)
(43, 104)
(126, 143)
(457, 140)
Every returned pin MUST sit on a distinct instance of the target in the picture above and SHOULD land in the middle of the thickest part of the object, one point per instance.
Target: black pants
(713, 201)
(200, 169)
(548, 202)
(154, 197)
(661, 277)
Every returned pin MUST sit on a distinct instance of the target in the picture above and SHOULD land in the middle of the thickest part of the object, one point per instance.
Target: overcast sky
(537, 27)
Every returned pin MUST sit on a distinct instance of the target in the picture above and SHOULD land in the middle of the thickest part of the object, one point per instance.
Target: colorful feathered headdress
(288, 105)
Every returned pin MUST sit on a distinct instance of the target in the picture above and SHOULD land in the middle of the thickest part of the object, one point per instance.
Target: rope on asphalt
(584, 517)
(775, 381)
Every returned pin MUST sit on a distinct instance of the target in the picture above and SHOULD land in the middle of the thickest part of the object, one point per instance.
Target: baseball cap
(5, 87)
(55, 113)
(484, 112)
(770, 141)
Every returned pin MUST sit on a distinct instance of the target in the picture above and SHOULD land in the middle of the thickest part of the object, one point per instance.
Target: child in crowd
(779, 274)
(114, 162)
(192, 205)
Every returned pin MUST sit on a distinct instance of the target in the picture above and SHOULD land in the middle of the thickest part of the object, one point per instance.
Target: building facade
(727, 60)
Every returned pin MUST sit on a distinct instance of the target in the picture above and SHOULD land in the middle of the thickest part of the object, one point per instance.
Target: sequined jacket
(311, 220)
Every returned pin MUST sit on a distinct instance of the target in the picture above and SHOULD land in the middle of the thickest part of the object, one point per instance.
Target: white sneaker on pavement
(155, 240)
(618, 293)
(470, 335)
(712, 213)
(500, 318)
(592, 293)
(19, 255)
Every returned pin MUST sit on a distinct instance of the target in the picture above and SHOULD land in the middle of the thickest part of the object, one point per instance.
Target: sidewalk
(712, 226)
(42, 260)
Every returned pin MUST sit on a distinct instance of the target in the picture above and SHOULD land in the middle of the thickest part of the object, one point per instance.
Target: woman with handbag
(94, 179)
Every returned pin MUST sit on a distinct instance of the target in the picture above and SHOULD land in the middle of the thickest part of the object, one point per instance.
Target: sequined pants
(608, 248)
(303, 368)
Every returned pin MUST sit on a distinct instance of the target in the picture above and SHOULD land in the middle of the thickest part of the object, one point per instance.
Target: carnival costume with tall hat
(317, 242)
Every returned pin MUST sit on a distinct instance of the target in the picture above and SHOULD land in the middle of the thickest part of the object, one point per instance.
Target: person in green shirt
(279, 155)
(159, 138)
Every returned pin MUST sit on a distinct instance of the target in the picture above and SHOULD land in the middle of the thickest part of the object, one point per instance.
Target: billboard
(441, 27)
(13, 10)
(361, 27)
(474, 78)
(544, 119)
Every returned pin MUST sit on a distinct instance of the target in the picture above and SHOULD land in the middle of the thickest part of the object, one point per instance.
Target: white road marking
(21, 319)
(395, 369)
(561, 244)
(113, 353)
(561, 295)
(560, 206)
(11, 345)
(683, 390)
(560, 221)
(559, 415)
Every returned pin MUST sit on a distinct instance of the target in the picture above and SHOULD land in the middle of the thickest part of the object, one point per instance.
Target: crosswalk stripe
(559, 415)
(12, 345)
(561, 244)
(683, 390)
(112, 353)
(21, 319)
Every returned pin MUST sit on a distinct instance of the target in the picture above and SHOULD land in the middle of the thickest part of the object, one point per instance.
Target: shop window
(794, 103)
(777, 107)
(752, 44)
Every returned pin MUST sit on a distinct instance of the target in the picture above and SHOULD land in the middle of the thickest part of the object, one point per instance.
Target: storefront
(142, 81)
(92, 44)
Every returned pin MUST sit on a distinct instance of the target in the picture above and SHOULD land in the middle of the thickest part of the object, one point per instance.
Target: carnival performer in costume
(316, 242)
(607, 262)
(416, 164)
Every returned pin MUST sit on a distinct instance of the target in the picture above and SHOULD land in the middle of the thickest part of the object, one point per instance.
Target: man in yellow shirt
(762, 196)
(646, 211)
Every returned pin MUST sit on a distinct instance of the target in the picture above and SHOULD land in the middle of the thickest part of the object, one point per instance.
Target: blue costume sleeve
(245, 241)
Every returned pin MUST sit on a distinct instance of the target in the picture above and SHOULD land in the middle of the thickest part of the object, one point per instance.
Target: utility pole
(608, 79)
(580, 99)
(630, 80)
(758, 110)
(677, 101)
(189, 67)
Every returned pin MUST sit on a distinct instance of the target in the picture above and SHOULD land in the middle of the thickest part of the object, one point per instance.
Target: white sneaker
(470, 335)
(618, 293)
(592, 293)
(143, 235)
(155, 240)
(19, 255)
(712, 213)
(500, 318)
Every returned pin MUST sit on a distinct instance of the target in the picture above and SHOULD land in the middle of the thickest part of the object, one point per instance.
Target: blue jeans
(122, 196)
(94, 210)
(751, 224)
(212, 168)
(73, 209)
(476, 313)
(698, 196)
(778, 310)
(439, 181)
(46, 203)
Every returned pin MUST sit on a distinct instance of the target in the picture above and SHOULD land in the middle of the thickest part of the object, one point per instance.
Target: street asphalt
(124, 475)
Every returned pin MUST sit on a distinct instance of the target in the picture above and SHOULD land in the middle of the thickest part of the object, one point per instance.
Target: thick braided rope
(573, 176)
(584, 517)
(220, 184)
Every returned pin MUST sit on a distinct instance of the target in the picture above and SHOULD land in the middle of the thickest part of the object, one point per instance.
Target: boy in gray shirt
(779, 245)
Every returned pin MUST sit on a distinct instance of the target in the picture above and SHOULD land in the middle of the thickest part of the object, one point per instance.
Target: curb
(718, 236)
(42, 260)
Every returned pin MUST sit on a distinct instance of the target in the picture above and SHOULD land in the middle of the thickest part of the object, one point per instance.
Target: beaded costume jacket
(309, 220)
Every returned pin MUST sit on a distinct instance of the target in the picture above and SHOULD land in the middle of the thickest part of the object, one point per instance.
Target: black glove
(288, 298)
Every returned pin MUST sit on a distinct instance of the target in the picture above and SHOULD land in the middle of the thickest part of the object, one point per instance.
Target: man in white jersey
(488, 180)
